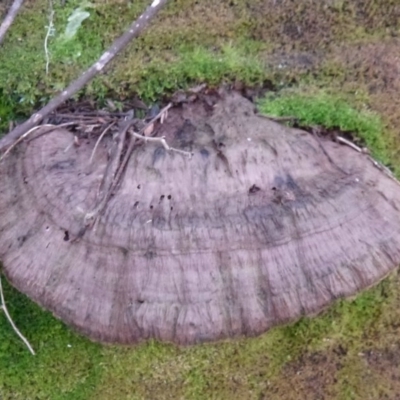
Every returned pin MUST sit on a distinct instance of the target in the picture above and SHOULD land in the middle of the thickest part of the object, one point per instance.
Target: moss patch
(317, 108)
(196, 64)
(185, 36)
(67, 366)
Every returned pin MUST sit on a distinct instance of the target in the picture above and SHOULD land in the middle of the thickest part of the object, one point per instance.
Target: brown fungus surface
(263, 224)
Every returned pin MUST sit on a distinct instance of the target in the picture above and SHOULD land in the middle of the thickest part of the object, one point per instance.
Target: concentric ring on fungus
(259, 227)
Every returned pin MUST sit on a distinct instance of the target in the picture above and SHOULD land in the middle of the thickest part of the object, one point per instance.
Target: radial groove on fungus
(238, 238)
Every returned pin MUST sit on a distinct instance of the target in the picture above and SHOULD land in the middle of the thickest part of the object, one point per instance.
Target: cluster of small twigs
(130, 133)
(127, 133)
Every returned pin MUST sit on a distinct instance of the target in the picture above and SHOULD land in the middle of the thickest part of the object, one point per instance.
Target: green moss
(6, 112)
(178, 50)
(319, 108)
(67, 366)
(196, 64)
(187, 43)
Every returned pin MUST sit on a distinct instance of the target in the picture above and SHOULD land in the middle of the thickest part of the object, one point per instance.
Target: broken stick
(133, 31)
(9, 19)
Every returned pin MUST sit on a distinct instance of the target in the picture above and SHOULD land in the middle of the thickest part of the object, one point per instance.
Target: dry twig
(50, 32)
(133, 31)
(117, 164)
(161, 140)
(132, 144)
(107, 185)
(342, 140)
(99, 140)
(9, 19)
(7, 314)
(384, 169)
(279, 119)
(25, 135)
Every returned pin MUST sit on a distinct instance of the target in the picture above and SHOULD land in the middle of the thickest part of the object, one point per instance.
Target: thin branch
(7, 314)
(25, 135)
(162, 141)
(383, 169)
(133, 31)
(99, 140)
(342, 140)
(159, 116)
(132, 144)
(278, 119)
(109, 187)
(50, 32)
(9, 19)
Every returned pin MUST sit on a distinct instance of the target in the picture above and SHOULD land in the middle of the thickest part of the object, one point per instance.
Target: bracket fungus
(262, 225)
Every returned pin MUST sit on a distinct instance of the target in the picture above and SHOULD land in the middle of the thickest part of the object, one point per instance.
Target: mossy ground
(337, 64)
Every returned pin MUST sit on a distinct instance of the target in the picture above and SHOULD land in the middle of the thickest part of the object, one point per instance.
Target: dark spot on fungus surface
(21, 240)
(186, 135)
(281, 238)
(158, 155)
(204, 153)
(254, 189)
(150, 254)
(62, 165)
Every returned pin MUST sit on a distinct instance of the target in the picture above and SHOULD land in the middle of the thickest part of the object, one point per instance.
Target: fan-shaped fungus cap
(263, 224)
